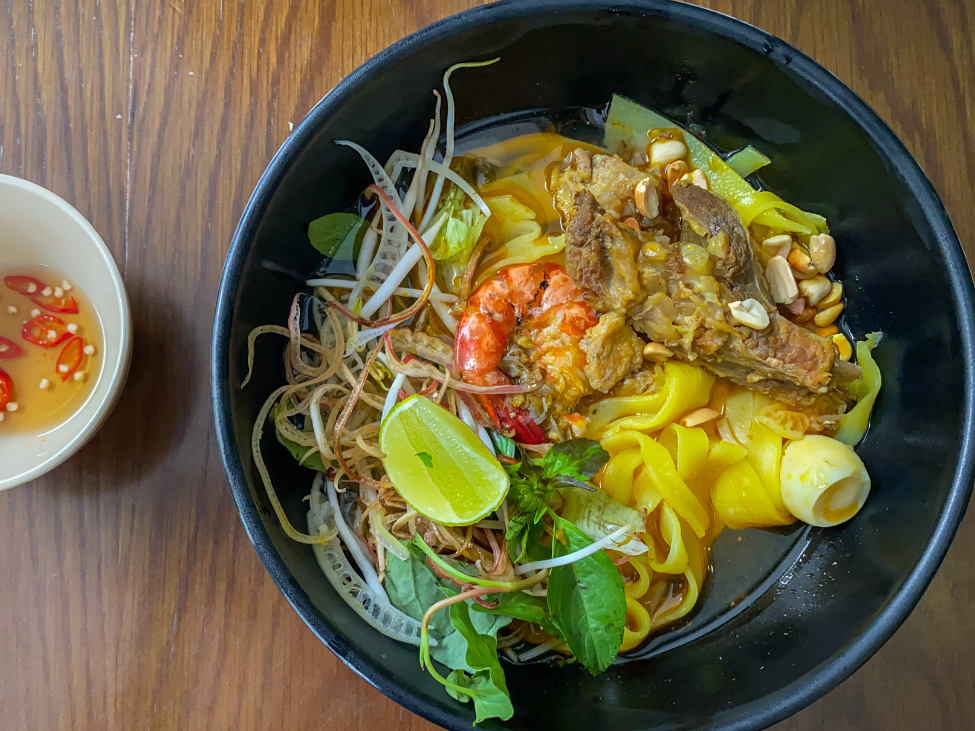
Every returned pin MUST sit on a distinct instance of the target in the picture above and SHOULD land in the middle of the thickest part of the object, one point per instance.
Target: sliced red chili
(34, 288)
(38, 331)
(64, 305)
(6, 389)
(9, 349)
(22, 285)
(70, 358)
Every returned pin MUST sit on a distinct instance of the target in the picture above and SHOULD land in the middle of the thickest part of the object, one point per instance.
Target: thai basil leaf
(586, 601)
(519, 605)
(577, 458)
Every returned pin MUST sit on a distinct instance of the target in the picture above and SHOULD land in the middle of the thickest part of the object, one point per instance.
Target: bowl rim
(116, 371)
(830, 673)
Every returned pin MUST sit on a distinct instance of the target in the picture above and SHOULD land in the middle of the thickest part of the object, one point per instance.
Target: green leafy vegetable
(746, 161)
(337, 235)
(489, 700)
(426, 458)
(298, 451)
(466, 642)
(504, 445)
(486, 685)
(519, 605)
(532, 482)
(578, 458)
(586, 601)
(459, 234)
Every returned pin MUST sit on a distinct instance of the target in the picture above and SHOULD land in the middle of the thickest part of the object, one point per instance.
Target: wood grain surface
(130, 597)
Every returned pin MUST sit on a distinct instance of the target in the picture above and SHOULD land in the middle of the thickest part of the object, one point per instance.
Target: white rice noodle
(468, 418)
(427, 151)
(374, 608)
(393, 242)
(551, 563)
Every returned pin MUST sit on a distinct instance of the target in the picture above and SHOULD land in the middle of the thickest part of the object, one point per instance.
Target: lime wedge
(439, 465)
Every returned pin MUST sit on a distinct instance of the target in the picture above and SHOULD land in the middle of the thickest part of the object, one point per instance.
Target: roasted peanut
(822, 250)
(828, 316)
(815, 289)
(827, 332)
(657, 352)
(749, 313)
(664, 152)
(843, 345)
(781, 281)
(674, 172)
(801, 263)
(779, 245)
(699, 179)
(647, 200)
(699, 416)
(834, 296)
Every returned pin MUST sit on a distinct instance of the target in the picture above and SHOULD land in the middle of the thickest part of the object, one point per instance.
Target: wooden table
(130, 596)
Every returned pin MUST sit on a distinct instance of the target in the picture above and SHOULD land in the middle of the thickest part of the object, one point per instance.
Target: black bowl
(787, 615)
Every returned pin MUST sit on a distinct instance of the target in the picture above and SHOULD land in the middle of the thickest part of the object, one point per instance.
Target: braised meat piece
(678, 292)
(613, 351)
(600, 256)
(610, 180)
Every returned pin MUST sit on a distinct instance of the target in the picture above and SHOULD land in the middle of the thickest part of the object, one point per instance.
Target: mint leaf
(586, 601)
(426, 458)
(337, 235)
(577, 458)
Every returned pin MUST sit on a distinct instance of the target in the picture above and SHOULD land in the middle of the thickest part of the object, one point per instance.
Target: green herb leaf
(412, 587)
(578, 458)
(337, 235)
(586, 601)
(504, 445)
(463, 639)
(298, 451)
(523, 536)
(491, 698)
(519, 605)
(426, 458)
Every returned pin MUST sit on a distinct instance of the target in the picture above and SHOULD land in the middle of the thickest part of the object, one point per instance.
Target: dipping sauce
(50, 345)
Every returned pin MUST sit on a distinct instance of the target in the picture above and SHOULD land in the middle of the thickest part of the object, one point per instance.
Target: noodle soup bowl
(786, 615)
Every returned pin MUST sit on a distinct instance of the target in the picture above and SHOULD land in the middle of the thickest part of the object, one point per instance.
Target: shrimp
(534, 315)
